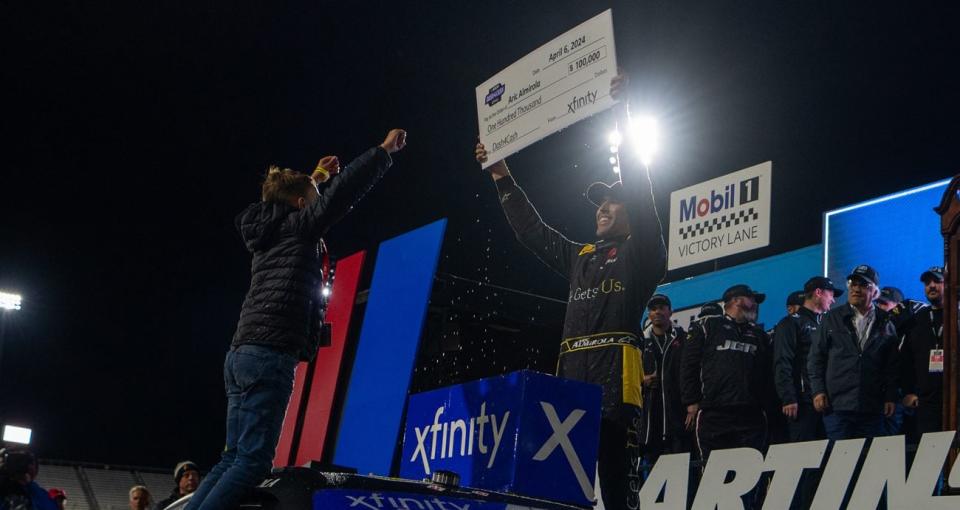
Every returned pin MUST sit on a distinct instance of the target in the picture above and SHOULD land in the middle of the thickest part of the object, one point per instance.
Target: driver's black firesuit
(610, 282)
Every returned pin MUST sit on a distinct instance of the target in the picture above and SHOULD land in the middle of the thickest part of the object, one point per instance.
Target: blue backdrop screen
(898, 235)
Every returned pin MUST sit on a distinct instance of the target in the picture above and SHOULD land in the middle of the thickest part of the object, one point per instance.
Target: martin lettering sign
(720, 217)
(525, 432)
(729, 474)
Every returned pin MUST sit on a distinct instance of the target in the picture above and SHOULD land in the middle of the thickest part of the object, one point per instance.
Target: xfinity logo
(579, 102)
(561, 438)
(450, 446)
(459, 437)
(376, 502)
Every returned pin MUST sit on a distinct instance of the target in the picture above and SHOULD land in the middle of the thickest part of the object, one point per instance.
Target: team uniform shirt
(662, 408)
(917, 374)
(726, 364)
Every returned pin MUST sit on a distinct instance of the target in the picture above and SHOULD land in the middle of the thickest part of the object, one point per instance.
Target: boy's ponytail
(284, 185)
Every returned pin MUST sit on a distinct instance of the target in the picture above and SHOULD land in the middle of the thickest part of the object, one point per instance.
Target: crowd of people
(19, 489)
(869, 367)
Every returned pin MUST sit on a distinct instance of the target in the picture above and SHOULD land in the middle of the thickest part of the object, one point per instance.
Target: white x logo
(560, 438)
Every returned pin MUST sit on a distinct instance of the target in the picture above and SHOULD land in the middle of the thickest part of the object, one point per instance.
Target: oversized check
(556, 85)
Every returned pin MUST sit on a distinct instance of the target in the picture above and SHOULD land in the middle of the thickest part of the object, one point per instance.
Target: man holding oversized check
(610, 279)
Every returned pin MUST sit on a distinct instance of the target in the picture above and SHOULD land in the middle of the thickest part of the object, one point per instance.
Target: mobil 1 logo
(720, 217)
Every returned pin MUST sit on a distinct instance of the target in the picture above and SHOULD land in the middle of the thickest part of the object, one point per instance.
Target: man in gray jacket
(853, 362)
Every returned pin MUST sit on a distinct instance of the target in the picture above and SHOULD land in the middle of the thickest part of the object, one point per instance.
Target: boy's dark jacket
(281, 309)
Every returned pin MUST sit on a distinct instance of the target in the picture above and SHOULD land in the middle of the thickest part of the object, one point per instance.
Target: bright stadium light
(615, 138)
(645, 135)
(10, 301)
(12, 434)
(325, 291)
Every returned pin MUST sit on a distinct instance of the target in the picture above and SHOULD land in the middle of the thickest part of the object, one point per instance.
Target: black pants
(733, 427)
(930, 417)
(807, 427)
(618, 464)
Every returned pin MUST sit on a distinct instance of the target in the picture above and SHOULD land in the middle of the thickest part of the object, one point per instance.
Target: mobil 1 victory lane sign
(719, 217)
(559, 83)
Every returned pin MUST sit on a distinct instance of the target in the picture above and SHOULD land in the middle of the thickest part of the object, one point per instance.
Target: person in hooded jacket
(665, 430)
(280, 319)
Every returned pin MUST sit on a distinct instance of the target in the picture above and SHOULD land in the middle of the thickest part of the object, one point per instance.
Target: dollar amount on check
(554, 86)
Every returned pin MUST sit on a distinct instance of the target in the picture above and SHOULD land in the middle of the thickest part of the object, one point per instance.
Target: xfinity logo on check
(376, 501)
(449, 446)
(580, 101)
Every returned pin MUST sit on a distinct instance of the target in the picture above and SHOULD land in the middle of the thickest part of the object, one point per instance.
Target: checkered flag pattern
(719, 223)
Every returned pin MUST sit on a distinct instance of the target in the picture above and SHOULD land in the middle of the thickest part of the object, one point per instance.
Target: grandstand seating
(94, 487)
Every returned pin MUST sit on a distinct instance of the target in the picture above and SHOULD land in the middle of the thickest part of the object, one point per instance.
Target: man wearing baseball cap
(726, 373)
(791, 344)
(664, 415)
(853, 364)
(610, 280)
(889, 298)
(59, 496)
(795, 301)
(710, 309)
(921, 357)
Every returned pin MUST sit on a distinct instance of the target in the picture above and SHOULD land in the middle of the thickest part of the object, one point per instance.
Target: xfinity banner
(525, 433)
(720, 217)
(347, 499)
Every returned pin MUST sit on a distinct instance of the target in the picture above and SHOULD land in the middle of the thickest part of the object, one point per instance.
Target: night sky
(133, 132)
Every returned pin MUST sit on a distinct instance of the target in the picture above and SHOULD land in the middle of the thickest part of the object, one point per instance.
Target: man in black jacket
(610, 282)
(186, 477)
(921, 357)
(791, 344)
(853, 362)
(795, 301)
(664, 427)
(279, 323)
(726, 375)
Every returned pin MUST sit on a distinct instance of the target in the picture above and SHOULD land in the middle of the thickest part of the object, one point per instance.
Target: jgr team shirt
(610, 283)
(726, 364)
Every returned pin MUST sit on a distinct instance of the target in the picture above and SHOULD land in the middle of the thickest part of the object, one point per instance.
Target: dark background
(133, 132)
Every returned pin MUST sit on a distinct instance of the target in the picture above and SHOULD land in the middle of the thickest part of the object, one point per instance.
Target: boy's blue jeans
(259, 381)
